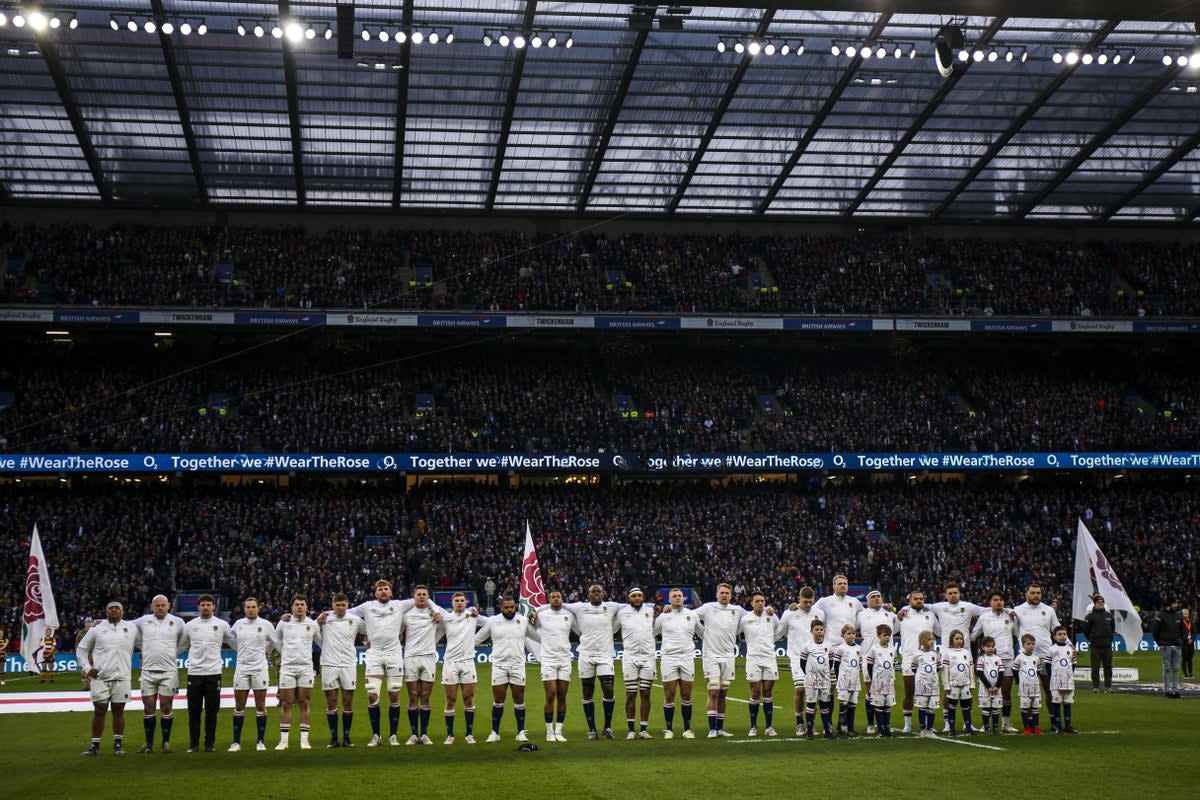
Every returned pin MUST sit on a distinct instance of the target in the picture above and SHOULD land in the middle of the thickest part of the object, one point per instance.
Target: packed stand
(359, 268)
(624, 395)
(130, 542)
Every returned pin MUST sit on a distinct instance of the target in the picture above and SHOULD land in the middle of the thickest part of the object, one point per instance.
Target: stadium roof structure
(654, 110)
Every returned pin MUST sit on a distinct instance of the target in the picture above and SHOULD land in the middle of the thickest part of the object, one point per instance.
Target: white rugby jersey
(338, 637)
(160, 642)
(554, 628)
(254, 640)
(384, 622)
(953, 617)
(594, 624)
(296, 638)
(637, 631)
(760, 632)
(678, 630)
(1025, 669)
(910, 631)
(957, 668)
(882, 661)
(925, 672)
(109, 648)
(1061, 659)
(508, 639)
(721, 623)
(993, 668)
(797, 625)
(459, 629)
(869, 619)
(420, 631)
(838, 611)
(1001, 627)
(1038, 620)
(816, 658)
(203, 640)
(849, 660)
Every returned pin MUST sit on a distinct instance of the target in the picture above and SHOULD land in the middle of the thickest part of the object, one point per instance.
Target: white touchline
(969, 744)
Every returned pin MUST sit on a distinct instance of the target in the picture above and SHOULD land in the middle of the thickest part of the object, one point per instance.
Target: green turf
(1149, 751)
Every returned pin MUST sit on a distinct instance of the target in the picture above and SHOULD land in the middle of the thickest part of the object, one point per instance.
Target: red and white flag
(1092, 569)
(533, 592)
(40, 613)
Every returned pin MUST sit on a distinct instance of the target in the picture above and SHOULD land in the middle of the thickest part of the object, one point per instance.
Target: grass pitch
(1129, 744)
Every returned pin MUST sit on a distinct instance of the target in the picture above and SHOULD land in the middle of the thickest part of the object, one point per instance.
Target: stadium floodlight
(55, 23)
(150, 26)
(784, 49)
(1194, 60)
(769, 49)
(168, 28)
(132, 25)
(534, 41)
(328, 33)
(186, 29)
(38, 21)
(800, 48)
(898, 52)
(400, 37)
(881, 52)
(310, 33)
(434, 38)
(518, 41)
(241, 29)
(834, 49)
(964, 56)
(202, 28)
(384, 35)
(449, 37)
(277, 31)
(1167, 60)
(864, 52)
(553, 42)
(293, 31)
(1116, 59)
(417, 37)
(755, 48)
(570, 42)
(721, 47)
(948, 39)
(1086, 58)
(993, 56)
(258, 30)
(977, 56)
(112, 23)
(1072, 58)
(504, 40)
(1057, 58)
(366, 35)
(851, 51)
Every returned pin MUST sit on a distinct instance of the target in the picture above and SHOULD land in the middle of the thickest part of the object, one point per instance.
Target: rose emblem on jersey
(33, 593)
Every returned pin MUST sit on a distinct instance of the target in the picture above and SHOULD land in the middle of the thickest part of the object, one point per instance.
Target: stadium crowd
(617, 396)
(357, 268)
(133, 541)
